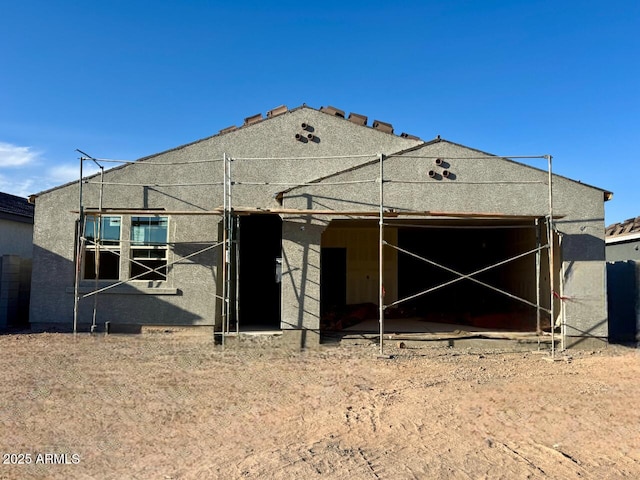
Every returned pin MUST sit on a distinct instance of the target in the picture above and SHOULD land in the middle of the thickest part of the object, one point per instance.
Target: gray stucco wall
(268, 152)
(489, 185)
(188, 297)
(301, 239)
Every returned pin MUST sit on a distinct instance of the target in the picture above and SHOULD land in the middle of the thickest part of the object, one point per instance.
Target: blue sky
(125, 79)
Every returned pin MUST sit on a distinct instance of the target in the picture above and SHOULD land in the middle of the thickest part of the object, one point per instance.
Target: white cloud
(67, 173)
(24, 171)
(22, 188)
(63, 173)
(15, 156)
(29, 179)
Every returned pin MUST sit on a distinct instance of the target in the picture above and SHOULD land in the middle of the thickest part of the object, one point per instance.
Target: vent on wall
(382, 126)
(358, 119)
(332, 111)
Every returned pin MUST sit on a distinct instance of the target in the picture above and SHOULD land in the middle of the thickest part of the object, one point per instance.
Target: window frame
(148, 263)
(111, 246)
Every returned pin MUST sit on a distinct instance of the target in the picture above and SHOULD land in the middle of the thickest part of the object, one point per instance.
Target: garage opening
(450, 303)
(467, 248)
(259, 250)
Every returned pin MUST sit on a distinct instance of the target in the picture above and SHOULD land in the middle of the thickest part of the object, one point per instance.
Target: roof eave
(622, 238)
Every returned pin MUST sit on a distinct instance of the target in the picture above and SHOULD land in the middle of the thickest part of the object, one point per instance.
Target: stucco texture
(483, 184)
(268, 152)
(195, 172)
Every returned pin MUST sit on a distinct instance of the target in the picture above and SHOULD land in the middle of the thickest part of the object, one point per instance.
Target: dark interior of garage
(467, 249)
(429, 254)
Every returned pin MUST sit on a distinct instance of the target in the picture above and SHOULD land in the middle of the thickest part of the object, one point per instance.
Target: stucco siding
(486, 184)
(188, 296)
(267, 152)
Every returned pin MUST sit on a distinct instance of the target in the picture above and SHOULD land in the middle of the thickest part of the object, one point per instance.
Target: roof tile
(15, 205)
(629, 226)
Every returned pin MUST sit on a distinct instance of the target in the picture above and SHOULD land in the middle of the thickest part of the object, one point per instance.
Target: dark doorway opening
(259, 293)
(333, 280)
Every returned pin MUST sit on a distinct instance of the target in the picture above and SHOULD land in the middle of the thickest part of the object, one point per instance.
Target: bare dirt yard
(172, 406)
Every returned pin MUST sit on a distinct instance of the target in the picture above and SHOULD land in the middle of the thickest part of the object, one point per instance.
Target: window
(102, 248)
(149, 248)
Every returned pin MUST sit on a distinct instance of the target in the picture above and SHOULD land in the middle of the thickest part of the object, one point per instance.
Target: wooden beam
(387, 214)
(129, 211)
(311, 211)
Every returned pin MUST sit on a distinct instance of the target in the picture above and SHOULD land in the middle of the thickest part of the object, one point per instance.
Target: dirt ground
(170, 406)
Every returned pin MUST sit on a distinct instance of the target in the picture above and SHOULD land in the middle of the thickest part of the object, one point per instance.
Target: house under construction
(310, 222)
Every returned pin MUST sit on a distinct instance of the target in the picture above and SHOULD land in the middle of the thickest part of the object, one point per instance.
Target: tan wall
(518, 275)
(361, 239)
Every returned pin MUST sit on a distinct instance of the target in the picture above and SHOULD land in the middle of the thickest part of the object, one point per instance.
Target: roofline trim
(16, 217)
(607, 194)
(622, 238)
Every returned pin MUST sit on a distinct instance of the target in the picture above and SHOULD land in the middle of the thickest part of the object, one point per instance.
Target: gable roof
(17, 208)
(352, 118)
(608, 195)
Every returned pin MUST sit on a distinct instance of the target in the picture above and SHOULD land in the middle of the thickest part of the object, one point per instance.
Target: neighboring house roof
(15, 208)
(623, 231)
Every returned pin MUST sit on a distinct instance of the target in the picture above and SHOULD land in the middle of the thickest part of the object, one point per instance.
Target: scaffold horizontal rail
(150, 270)
(469, 276)
(312, 211)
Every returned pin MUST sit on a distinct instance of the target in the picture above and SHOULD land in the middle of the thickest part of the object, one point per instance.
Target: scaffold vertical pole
(97, 252)
(551, 241)
(538, 257)
(223, 313)
(236, 269)
(381, 254)
(79, 249)
(229, 246)
(563, 318)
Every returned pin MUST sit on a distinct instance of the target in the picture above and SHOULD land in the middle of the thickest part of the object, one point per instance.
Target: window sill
(127, 289)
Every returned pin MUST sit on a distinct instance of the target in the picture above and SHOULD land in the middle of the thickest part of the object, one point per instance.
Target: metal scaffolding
(229, 210)
(543, 224)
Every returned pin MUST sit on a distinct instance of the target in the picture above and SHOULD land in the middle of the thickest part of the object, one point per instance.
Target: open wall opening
(467, 247)
(448, 246)
(333, 279)
(349, 273)
(259, 240)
